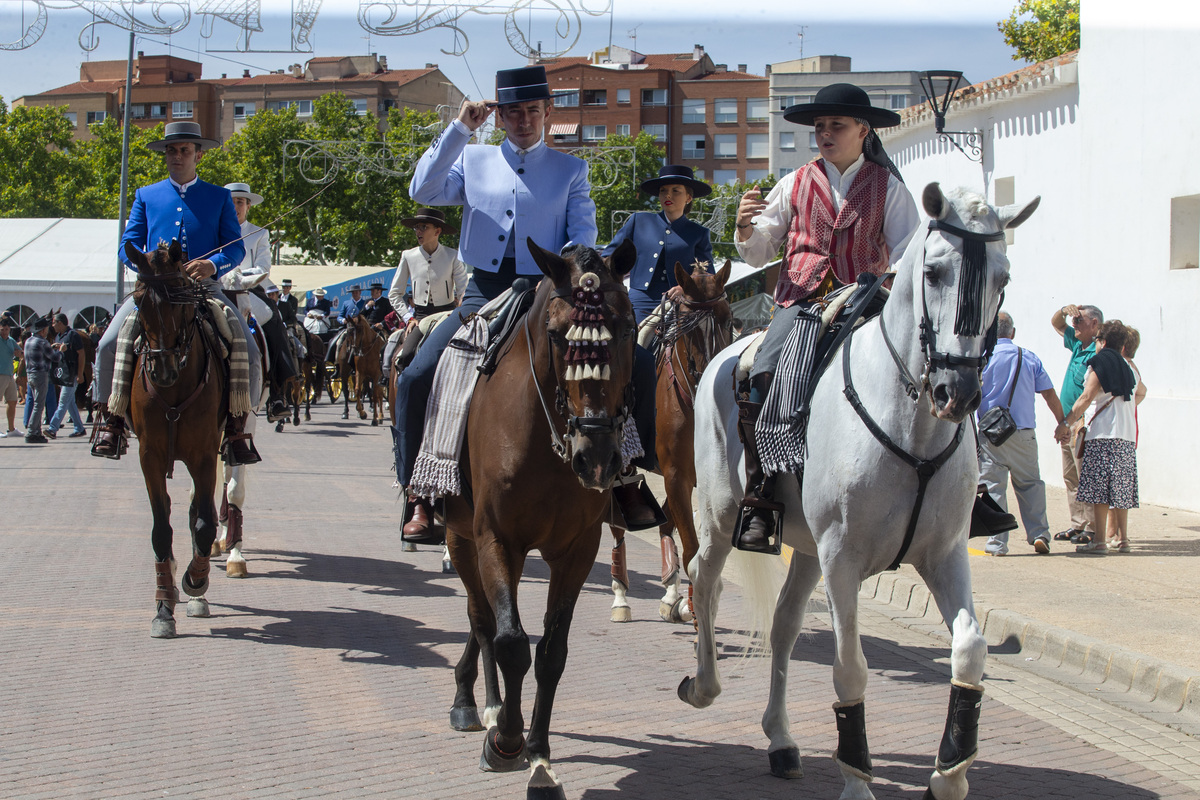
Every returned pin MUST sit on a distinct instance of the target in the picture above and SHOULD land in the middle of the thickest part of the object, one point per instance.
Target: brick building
(704, 115)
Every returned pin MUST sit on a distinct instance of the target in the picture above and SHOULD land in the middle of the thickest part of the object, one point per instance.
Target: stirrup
(230, 454)
(636, 483)
(751, 507)
(103, 429)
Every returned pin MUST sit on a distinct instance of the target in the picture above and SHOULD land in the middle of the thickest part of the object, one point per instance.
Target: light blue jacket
(545, 195)
(203, 220)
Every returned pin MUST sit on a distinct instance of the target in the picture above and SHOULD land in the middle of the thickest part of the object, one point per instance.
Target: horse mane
(971, 204)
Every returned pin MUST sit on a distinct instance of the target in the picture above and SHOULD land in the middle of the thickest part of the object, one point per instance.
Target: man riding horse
(202, 218)
(521, 189)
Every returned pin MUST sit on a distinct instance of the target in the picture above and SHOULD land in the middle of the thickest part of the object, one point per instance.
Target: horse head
(165, 298)
(590, 336)
(705, 307)
(963, 272)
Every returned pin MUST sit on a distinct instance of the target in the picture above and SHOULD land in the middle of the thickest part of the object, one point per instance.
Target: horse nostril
(941, 395)
(578, 464)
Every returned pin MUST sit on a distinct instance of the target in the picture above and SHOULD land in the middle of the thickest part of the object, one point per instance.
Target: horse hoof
(235, 569)
(216, 548)
(447, 567)
(307, 417)
(785, 763)
(374, 422)
(408, 547)
(493, 760)
(198, 607)
(676, 612)
(621, 614)
(162, 628)
(686, 692)
(295, 421)
(345, 416)
(362, 416)
(545, 793)
(465, 719)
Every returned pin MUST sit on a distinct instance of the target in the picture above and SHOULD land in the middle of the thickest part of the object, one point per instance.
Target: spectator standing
(40, 357)
(70, 345)
(1108, 468)
(1017, 373)
(1118, 524)
(50, 405)
(8, 376)
(1078, 337)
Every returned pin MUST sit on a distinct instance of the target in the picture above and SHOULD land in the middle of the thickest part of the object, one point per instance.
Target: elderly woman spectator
(1118, 524)
(1108, 467)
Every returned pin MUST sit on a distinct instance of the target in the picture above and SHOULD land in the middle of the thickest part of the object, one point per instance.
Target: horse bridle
(182, 295)
(934, 358)
(675, 325)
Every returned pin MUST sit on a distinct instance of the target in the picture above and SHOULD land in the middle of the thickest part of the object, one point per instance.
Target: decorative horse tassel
(587, 339)
(970, 288)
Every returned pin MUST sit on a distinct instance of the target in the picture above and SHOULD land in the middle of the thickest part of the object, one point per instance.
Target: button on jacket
(660, 244)
(543, 195)
(202, 219)
(436, 281)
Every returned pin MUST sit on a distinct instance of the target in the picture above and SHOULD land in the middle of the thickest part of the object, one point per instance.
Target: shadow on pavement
(399, 578)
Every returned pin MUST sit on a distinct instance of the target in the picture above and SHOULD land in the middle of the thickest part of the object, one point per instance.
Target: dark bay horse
(177, 408)
(695, 328)
(364, 346)
(540, 456)
(312, 370)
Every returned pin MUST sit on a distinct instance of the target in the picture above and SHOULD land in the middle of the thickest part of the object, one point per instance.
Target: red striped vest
(850, 244)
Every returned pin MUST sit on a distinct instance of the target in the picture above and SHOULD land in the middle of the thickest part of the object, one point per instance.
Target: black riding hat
(841, 100)
(521, 85)
(431, 215)
(675, 173)
(183, 132)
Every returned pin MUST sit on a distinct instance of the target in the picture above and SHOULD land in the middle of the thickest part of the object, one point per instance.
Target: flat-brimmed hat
(354, 288)
(521, 85)
(183, 132)
(674, 173)
(40, 323)
(432, 216)
(286, 283)
(376, 285)
(319, 292)
(243, 190)
(841, 100)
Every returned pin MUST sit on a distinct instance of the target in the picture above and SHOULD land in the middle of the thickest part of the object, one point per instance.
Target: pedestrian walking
(1079, 338)
(40, 358)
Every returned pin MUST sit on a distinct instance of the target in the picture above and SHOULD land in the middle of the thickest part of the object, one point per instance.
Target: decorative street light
(939, 87)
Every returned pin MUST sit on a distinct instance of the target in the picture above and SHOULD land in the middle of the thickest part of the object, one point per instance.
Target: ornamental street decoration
(247, 16)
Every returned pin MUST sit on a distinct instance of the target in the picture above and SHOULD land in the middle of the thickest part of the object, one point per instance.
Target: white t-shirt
(1117, 421)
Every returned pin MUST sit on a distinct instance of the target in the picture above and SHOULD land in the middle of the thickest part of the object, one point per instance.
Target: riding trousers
(416, 381)
(106, 350)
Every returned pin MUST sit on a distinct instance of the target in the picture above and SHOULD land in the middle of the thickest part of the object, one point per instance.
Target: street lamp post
(939, 87)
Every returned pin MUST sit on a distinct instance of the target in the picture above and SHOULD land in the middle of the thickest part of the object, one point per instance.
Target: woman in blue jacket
(664, 238)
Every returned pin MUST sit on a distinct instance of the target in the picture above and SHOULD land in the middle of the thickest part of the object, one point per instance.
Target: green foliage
(92, 187)
(33, 159)
(1052, 31)
(728, 197)
(409, 135)
(626, 194)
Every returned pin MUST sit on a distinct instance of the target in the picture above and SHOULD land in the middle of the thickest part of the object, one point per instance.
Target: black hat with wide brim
(431, 215)
(678, 174)
(841, 100)
(521, 85)
(183, 132)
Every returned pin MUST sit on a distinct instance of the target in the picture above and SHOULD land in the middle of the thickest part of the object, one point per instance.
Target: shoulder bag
(1081, 437)
(997, 424)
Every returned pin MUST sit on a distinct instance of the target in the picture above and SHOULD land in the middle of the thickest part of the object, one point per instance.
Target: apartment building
(167, 88)
(704, 115)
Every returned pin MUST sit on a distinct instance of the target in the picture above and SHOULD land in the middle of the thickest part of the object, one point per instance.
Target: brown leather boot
(757, 517)
(238, 448)
(110, 440)
(420, 528)
(636, 502)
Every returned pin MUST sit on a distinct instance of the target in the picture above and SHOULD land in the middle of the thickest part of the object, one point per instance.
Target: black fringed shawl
(1115, 376)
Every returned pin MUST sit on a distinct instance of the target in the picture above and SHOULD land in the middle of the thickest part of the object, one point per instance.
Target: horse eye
(931, 275)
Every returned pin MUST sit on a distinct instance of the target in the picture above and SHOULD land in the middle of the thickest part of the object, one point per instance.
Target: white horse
(850, 519)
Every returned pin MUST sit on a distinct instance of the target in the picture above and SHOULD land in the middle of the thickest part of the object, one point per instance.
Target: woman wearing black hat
(664, 238)
(844, 214)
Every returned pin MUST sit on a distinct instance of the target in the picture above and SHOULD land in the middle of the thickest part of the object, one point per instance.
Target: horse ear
(724, 273)
(137, 257)
(552, 265)
(175, 251)
(935, 203)
(622, 260)
(684, 279)
(1014, 215)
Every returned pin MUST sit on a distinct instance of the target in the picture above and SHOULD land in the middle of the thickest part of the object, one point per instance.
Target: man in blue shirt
(202, 217)
(8, 381)
(1080, 339)
(1017, 372)
(352, 307)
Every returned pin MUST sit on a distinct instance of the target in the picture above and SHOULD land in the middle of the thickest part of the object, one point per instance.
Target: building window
(24, 315)
(693, 146)
(622, 95)
(756, 109)
(595, 97)
(137, 111)
(360, 107)
(594, 133)
(654, 97)
(96, 116)
(898, 101)
(787, 140)
(693, 111)
(756, 175)
(812, 140)
(758, 145)
(181, 109)
(72, 117)
(785, 171)
(622, 130)
(1185, 232)
(725, 110)
(304, 107)
(566, 99)
(158, 111)
(243, 110)
(92, 315)
(659, 132)
(787, 100)
(699, 174)
(725, 146)
(724, 177)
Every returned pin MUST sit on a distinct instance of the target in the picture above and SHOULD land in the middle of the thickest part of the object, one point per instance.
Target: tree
(626, 193)
(1054, 29)
(33, 160)
(409, 134)
(91, 188)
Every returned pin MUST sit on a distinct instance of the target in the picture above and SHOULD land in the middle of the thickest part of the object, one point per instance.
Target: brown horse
(177, 408)
(312, 370)
(540, 457)
(695, 328)
(365, 346)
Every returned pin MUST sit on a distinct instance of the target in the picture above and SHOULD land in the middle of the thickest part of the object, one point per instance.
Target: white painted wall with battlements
(1107, 137)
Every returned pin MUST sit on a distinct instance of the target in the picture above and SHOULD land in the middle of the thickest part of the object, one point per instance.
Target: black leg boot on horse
(109, 439)
(759, 516)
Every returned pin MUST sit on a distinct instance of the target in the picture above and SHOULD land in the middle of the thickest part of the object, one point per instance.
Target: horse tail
(761, 579)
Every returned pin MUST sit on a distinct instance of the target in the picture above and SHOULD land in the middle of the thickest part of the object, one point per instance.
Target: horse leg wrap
(164, 582)
(620, 571)
(961, 738)
(670, 560)
(233, 535)
(195, 580)
(852, 751)
(223, 513)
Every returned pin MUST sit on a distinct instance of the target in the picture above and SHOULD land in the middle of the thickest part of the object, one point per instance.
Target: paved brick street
(328, 672)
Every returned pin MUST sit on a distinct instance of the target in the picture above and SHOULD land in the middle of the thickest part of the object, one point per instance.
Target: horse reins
(676, 325)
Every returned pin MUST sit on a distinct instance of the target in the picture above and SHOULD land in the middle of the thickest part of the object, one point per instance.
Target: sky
(875, 34)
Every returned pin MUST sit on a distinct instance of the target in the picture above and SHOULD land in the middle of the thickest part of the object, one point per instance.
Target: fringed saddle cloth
(229, 338)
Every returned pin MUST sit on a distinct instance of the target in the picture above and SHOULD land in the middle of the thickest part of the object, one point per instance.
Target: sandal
(1081, 537)
(1120, 547)
(1065, 536)
(1093, 548)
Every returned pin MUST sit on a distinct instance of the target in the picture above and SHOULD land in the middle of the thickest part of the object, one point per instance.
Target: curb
(1145, 685)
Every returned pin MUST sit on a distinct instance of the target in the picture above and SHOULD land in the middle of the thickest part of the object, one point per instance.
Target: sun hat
(243, 190)
(841, 100)
(319, 292)
(430, 215)
(183, 132)
(675, 173)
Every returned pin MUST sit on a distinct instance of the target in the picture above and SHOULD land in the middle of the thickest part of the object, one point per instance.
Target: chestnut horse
(177, 408)
(696, 328)
(540, 457)
(364, 346)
